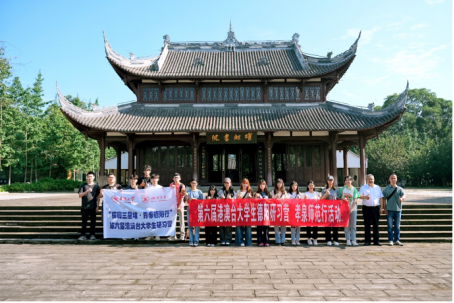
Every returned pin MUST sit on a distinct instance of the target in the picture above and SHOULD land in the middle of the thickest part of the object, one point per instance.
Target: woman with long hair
(227, 192)
(330, 192)
(244, 233)
(279, 193)
(311, 194)
(211, 232)
(294, 193)
(263, 235)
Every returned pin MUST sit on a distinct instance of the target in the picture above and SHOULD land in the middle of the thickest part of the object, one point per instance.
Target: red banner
(277, 212)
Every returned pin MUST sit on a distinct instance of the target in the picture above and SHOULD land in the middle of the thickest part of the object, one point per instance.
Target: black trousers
(371, 214)
(263, 234)
(335, 231)
(211, 235)
(314, 230)
(85, 214)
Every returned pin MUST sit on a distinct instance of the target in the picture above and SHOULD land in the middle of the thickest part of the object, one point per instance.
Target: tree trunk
(36, 170)
(74, 176)
(9, 178)
(31, 174)
(25, 174)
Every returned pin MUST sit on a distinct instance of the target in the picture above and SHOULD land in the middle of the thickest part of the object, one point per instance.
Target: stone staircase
(42, 224)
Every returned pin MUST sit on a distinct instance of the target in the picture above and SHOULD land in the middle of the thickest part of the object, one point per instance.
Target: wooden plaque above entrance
(231, 137)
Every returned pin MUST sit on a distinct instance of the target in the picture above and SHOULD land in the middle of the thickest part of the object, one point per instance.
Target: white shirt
(315, 195)
(374, 194)
(152, 186)
(294, 195)
(278, 195)
(240, 195)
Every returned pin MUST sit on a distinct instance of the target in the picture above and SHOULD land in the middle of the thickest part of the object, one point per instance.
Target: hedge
(43, 185)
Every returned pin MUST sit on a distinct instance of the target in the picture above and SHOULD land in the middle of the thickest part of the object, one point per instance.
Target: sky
(401, 40)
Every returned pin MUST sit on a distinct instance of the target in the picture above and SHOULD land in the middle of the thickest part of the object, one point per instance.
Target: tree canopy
(418, 147)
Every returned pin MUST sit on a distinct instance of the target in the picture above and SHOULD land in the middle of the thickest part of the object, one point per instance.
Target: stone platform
(173, 272)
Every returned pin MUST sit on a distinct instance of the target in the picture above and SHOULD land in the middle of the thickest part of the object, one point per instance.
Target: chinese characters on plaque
(231, 137)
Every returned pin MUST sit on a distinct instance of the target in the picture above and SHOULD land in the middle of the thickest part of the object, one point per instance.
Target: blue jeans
(394, 219)
(193, 238)
(243, 234)
(296, 231)
(279, 234)
(350, 230)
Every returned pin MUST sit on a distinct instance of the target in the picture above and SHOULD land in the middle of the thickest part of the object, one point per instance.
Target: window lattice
(151, 94)
(284, 93)
(179, 94)
(312, 93)
(228, 94)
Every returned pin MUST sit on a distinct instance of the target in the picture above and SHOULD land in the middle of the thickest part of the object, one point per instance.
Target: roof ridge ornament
(166, 39)
(231, 42)
(295, 38)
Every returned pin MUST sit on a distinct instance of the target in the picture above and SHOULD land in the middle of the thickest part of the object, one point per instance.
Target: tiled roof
(282, 59)
(139, 117)
(282, 63)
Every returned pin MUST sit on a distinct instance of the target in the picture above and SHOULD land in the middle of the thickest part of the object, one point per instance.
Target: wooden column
(333, 143)
(195, 149)
(345, 162)
(362, 160)
(118, 150)
(269, 158)
(130, 138)
(327, 163)
(102, 158)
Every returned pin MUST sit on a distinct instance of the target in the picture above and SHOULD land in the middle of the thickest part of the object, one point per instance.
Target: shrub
(43, 185)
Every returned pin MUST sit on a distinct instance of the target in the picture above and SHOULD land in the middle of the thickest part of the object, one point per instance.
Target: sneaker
(92, 237)
(182, 239)
(222, 243)
(191, 244)
(309, 242)
(298, 243)
(336, 243)
(398, 243)
(390, 243)
(82, 238)
(136, 239)
(227, 243)
(196, 244)
(354, 243)
(329, 243)
(267, 245)
(213, 245)
(147, 238)
(261, 244)
(242, 244)
(170, 239)
(157, 238)
(124, 239)
(315, 242)
(349, 243)
(293, 243)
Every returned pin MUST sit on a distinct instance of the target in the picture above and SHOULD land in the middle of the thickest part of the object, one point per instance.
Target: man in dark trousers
(89, 192)
(372, 207)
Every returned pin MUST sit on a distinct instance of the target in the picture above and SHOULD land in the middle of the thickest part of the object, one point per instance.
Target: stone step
(57, 229)
(359, 235)
(142, 242)
(37, 207)
(77, 222)
(77, 212)
(77, 216)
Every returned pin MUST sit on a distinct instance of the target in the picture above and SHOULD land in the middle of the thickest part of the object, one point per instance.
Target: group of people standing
(374, 203)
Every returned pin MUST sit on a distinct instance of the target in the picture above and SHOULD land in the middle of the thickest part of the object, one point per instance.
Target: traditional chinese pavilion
(234, 109)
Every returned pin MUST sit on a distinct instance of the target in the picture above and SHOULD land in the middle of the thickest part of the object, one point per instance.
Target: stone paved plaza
(176, 272)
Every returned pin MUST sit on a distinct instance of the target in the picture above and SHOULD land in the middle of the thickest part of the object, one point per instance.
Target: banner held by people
(139, 213)
(259, 212)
